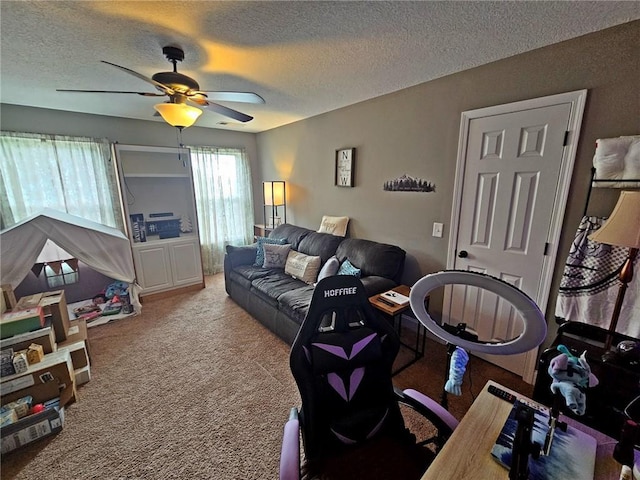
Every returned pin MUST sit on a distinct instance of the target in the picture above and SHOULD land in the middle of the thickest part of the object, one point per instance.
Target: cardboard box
(8, 296)
(83, 375)
(55, 304)
(33, 427)
(78, 331)
(52, 377)
(21, 321)
(30, 301)
(42, 336)
(35, 353)
(78, 352)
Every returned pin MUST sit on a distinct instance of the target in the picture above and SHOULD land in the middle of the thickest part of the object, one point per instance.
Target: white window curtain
(70, 174)
(224, 201)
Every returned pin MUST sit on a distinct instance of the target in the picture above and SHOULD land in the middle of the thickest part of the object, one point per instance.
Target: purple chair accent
(433, 406)
(338, 385)
(290, 453)
(354, 381)
(378, 426)
(359, 346)
(332, 349)
(343, 439)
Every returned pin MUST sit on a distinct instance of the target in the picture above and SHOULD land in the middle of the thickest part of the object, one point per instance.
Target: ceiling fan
(183, 90)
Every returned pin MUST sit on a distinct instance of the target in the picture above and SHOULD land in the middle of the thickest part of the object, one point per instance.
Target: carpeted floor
(194, 388)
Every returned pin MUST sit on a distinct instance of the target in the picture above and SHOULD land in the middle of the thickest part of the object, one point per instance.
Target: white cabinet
(159, 206)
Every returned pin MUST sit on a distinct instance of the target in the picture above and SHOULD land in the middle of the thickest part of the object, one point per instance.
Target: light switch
(437, 229)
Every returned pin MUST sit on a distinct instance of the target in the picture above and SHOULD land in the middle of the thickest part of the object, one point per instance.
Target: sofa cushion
(295, 303)
(346, 268)
(275, 256)
(260, 251)
(303, 267)
(290, 233)
(321, 245)
(271, 286)
(245, 274)
(373, 258)
(374, 285)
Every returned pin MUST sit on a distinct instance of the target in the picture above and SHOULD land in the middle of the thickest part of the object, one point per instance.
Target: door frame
(577, 99)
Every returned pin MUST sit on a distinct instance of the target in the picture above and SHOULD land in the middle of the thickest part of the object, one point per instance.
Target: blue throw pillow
(260, 252)
(348, 269)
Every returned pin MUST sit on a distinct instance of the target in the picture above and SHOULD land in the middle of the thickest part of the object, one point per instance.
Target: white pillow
(303, 267)
(334, 225)
(330, 268)
(275, 256)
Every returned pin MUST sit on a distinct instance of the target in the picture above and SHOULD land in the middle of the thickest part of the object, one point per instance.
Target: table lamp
(621, 229)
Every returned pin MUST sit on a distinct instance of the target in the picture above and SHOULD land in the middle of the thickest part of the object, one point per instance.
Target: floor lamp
(621, 229)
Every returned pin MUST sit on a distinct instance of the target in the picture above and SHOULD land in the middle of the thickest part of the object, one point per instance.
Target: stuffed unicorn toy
(571, 376)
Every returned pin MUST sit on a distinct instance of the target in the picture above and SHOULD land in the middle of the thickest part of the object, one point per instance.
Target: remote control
(511, 398)
(503, 394)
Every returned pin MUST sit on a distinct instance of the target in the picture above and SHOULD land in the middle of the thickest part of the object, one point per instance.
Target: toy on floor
(571, 375)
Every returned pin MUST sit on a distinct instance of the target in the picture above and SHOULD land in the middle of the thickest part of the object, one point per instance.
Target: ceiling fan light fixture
(178, 114)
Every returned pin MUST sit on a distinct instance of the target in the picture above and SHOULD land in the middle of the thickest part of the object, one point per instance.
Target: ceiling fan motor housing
(176, 81)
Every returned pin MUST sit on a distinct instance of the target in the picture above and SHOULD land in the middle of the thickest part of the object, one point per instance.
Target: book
(572, 455)
(395, 297)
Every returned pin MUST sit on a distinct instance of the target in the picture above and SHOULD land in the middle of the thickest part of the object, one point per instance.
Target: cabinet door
(153, 268)
(185, 263)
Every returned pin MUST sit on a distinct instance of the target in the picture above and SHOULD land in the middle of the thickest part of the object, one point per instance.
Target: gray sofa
(279, 301)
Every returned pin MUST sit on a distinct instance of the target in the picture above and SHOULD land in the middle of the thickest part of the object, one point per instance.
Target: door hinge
(546, 248)
(565, 142)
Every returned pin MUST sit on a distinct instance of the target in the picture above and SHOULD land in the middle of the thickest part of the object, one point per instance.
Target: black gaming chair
(350, 419)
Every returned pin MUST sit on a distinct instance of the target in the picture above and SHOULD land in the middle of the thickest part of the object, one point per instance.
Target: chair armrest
(290, 453)
(426, 406)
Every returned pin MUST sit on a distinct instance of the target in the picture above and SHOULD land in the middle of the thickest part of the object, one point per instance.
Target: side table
(394, 314)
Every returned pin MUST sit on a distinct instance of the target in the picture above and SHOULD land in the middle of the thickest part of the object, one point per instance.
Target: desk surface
(467, 454)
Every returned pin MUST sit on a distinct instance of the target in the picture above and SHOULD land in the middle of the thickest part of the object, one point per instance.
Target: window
(59, 274)
(69, 174)
(224, 201)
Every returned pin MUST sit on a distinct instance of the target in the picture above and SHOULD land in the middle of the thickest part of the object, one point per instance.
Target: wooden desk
(467, 454)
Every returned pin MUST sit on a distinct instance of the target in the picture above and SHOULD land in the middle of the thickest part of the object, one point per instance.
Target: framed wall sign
(345, 160)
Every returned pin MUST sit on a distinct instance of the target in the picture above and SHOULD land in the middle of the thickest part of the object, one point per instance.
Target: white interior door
(514, 168)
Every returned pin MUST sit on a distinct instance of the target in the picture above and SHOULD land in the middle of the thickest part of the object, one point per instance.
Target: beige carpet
(194, 388)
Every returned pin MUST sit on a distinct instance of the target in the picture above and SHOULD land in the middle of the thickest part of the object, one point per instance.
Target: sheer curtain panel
(70, 174)
(224, 201)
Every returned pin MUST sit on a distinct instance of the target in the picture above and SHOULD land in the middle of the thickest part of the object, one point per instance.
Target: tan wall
(415, 131)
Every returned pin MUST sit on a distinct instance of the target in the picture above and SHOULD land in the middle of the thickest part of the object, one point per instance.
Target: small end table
(394, 314)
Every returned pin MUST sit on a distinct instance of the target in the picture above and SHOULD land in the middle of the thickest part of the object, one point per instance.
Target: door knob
(463, 254)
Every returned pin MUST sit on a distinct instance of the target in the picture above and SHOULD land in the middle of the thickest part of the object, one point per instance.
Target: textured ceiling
(304, 58)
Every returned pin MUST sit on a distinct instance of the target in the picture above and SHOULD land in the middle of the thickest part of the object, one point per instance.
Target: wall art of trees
(405, 183)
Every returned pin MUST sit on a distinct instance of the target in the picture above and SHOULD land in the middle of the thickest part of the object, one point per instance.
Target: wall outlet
(437, 229)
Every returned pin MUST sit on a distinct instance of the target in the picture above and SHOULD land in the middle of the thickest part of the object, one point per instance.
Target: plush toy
(571, 376)
(459, 359)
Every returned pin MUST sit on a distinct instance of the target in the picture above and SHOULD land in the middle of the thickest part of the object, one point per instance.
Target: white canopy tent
(105, 249)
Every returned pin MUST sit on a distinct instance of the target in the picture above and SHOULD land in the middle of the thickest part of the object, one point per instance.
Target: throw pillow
(303, 267)
(334, 225)
(275, 256)
(330, 268)
(260, 251)
(347, 268)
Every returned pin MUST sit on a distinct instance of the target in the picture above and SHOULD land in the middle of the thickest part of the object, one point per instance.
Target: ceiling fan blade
(144, 94)
(226, 111)
(158, 85)
(242, 97)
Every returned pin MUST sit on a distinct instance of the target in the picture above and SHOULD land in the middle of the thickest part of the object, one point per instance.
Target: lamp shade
(623, 226)
(273, 193)
(178, 114)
